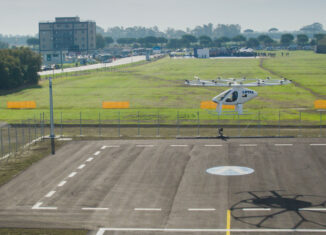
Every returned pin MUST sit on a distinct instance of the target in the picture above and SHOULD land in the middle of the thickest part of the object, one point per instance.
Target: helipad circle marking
(230, 170)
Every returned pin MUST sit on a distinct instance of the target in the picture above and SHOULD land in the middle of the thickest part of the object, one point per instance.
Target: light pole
(52, 136)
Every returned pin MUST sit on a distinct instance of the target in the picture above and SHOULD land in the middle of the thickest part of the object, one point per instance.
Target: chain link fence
(19, 136)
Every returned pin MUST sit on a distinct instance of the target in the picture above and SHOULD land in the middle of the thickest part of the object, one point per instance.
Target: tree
(205, 41)
(125, 41)
(239, 38)
(18, 67)
(100, 42)
(174, 43)
(161, 40)
(265, 40)
(108, 40)
(313, 28)
(252, 42)
(273, 30)
(248, 31)
(287, 39)
(188, 39)
(319, 36)
(33, 42)
(313, 42)
(4, 45)
(302, 39)
(220, 41)
(99, 30)
(224, 39)
(150, 40)
(230, 30)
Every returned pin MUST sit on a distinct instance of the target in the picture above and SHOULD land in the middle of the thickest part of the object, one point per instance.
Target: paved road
(159, 186)
(122, 61)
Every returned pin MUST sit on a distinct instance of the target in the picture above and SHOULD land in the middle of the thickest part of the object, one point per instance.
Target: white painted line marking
(65, 139)
(110, 146)
(317, 144)
(147, 209)
(248, 145)
(50, 194)
(81, 166)
(72, 174)
(97, 153)
(145, 145)
(256, 209)
(89, 159)
(95, 208)
(178, 145)
(213, 145)
(62, 183)
(312, 209)
(201, 209)
(37, 206)
(283, 144)
(101, 231)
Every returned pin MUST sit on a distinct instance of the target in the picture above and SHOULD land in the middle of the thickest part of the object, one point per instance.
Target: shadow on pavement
(269, 208)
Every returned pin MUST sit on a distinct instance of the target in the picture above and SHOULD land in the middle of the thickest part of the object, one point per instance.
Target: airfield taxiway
(162, 186)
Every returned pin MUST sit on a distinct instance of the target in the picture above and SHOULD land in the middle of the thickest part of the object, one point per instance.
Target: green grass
(160, 86)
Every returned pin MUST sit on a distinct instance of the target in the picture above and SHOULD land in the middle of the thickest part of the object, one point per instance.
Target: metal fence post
(239, 132)
(99, 124)
(138, 131)
(320, 117)
(35, 131)
(279, 123)
(1, 140)
(16, 146)
(61, 134)
(259, 124)
(43, 127)
(29, 133)
(40, 128)
(178, 126)
(300, 124)
(119, 124)
(80, 123)
(23, 135)
(9, 141)
(158, 124)
(198, 124)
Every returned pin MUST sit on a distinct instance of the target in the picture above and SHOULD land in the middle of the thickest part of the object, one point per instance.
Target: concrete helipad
(161, 186)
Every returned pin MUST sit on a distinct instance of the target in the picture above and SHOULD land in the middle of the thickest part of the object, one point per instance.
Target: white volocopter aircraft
(238, 94)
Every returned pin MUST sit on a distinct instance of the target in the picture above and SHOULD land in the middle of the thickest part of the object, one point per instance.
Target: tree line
(188, 40)
(228, 30)
(18, 67)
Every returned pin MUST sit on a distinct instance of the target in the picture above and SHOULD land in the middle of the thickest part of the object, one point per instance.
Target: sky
(22, 16)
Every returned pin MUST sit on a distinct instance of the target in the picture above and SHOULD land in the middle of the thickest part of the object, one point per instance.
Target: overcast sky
(22, 16)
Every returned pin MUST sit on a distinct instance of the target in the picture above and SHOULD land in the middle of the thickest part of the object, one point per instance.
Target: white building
(203, 53)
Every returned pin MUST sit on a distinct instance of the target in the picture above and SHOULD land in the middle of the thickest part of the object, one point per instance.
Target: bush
(18, 67)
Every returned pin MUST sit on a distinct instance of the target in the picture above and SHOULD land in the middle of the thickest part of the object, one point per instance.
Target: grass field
(159, 86)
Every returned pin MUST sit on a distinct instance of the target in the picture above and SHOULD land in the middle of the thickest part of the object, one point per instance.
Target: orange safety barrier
(320, 104)
(21, 104)
(212, 105)
(115, 104)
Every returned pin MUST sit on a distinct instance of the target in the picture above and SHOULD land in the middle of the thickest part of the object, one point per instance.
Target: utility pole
(51, 118)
